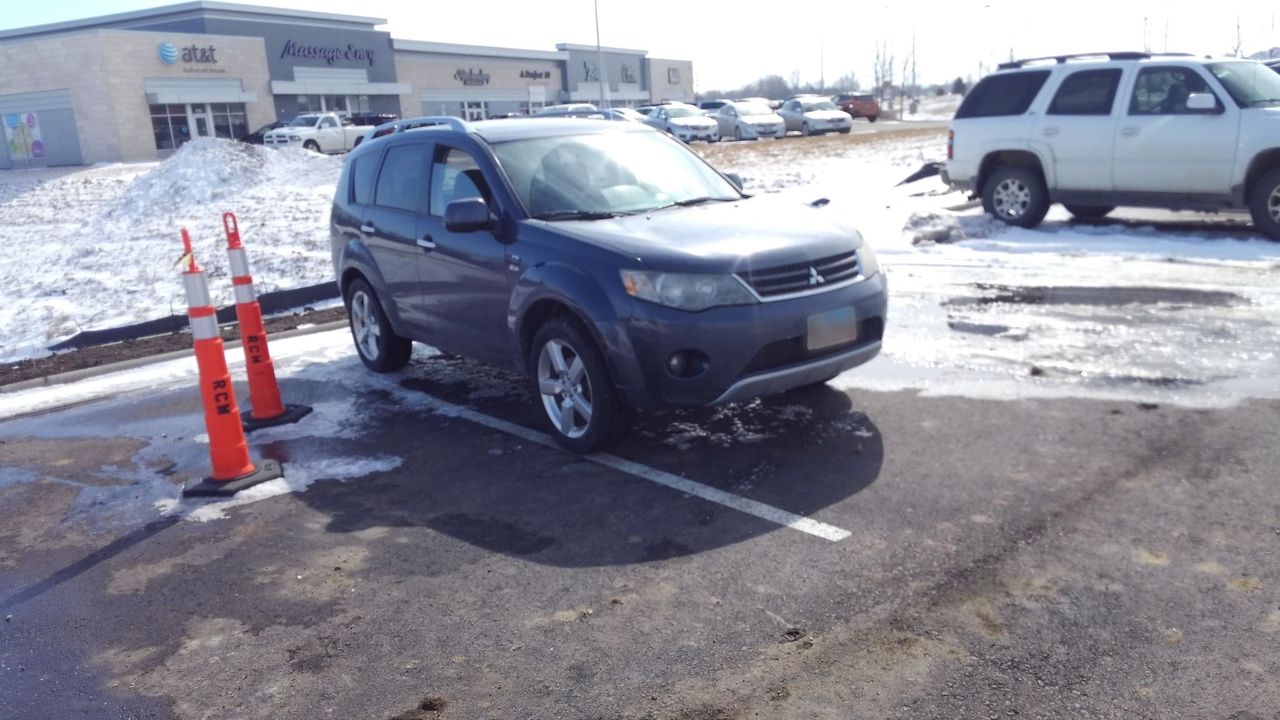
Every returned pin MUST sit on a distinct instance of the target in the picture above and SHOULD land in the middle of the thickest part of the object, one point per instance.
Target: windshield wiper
(1265, 101)
(690, 202)
(576, 215)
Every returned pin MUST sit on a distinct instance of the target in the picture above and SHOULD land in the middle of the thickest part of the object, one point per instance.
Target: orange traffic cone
(233, 469)
(267, 409)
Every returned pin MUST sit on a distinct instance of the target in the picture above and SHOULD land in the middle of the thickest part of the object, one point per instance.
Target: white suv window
(1164, 90)
(1087, 92)
(1002, 94)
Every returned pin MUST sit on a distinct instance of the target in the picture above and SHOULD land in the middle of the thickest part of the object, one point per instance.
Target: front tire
(311, 145)
(1090, 212)
(1016, 195)
(581, 408)
(872, 118)
(380, 348)
(805, 130)
(1264, 203)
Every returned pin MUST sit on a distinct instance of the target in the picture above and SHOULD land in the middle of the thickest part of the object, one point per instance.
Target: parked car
(255, 137)
(319, 132)
(372, 119)
(814, 115)
(685, 122)
(610, 264)
(749, 121)
(857, 106)
(711, 106)
(564, 111)
(566, 108)
(645, 109)
(1097, 131)
(624, 113)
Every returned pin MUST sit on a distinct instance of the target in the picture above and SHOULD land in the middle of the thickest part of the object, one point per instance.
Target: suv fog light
(687, 364)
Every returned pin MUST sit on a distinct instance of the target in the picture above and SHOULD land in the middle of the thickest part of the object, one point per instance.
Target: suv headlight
(867, 261)
(684, 291)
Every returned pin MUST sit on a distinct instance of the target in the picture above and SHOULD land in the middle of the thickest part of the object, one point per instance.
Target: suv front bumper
(752, 350)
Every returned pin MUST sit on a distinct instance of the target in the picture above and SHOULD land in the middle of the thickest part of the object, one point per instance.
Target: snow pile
(94, 248)
(946, 227)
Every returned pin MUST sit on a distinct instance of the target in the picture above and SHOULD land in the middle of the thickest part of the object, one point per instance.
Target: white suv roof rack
(1063, 59)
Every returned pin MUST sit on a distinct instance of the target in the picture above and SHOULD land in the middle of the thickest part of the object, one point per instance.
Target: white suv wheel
(1011, 198)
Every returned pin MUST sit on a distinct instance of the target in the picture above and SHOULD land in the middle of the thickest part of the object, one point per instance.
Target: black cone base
(291, 414)
(208, 487)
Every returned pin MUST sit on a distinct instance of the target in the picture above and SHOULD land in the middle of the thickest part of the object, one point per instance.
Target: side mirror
(469, 215)
(736, 179)
(1202, 102)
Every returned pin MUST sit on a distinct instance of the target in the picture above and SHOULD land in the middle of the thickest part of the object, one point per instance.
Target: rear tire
(580, 406)
(1090, 212)
(872, 118)
(1264, 203)
(380, 348)
(1016, 195)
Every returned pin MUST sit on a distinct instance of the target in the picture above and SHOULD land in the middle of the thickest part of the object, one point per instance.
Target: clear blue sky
(733, 43)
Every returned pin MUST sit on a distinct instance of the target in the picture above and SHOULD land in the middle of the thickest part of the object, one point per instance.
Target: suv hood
(722, 237)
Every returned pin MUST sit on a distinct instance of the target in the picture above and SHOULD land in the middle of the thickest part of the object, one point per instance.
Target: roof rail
(1062, 59)
(455, 123)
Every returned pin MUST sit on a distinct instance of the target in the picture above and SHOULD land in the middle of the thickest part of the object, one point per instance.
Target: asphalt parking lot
(817, 555)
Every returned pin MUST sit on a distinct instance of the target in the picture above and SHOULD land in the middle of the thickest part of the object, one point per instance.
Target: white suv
(1097, 131)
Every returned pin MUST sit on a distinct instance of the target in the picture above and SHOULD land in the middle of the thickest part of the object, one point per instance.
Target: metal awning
(166, 91)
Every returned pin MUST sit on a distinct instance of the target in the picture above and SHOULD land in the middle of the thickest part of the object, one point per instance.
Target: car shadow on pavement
(801, 452)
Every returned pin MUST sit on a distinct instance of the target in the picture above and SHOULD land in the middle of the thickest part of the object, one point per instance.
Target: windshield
(819, 105)
(607, 174)
(304, 121)
(1251, 84)
(753, 109)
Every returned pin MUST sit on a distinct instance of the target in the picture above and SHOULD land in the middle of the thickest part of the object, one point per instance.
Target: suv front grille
(799, 277)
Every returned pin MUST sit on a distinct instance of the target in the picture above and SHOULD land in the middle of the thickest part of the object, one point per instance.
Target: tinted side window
(402, 182)
(1164, 90)
(1004, 94)
(455, 176)
(1088, 92)
(363, 172)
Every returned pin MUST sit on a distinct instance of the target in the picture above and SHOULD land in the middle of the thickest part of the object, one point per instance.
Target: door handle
(426, 243)
(1128, 132)
(368, 228)
(1050, 132)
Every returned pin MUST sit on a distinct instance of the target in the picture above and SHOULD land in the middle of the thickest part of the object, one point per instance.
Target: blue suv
(604, 260)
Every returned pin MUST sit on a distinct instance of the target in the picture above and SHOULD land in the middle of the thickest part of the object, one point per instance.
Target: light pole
(599, 55)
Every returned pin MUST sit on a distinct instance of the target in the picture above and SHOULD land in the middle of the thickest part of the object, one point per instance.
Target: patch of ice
(298, 476)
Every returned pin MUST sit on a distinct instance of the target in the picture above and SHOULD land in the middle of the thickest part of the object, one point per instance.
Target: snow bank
(94, 247)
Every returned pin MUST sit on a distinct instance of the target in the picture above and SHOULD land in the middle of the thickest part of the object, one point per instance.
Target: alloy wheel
(1011, 198)
(364, 321)
(565, 388)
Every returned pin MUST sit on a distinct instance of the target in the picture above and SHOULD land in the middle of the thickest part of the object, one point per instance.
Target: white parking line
(675, 482)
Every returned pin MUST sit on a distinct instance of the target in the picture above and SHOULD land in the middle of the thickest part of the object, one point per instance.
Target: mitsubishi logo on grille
(814, 277)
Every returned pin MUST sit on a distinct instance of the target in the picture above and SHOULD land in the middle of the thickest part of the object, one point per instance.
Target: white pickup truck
(318, 132)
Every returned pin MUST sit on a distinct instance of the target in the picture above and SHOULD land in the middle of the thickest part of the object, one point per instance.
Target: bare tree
(884, 70)
(1239, 40)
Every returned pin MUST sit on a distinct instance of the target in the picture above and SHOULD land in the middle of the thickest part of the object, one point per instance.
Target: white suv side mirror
(1201, 102)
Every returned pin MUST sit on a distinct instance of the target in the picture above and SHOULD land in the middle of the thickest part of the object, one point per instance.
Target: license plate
(831, 328)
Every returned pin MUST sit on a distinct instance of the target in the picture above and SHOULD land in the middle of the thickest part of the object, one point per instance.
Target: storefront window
(170, 125)
(229, 120)
(529, 108)
(473, 110)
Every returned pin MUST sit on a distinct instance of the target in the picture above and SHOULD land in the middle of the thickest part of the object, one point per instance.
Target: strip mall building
(134, 86)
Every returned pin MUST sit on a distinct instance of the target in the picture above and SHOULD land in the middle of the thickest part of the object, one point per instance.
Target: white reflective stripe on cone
(204, 327)
(239, 262)
(197, 289)
(245, 294)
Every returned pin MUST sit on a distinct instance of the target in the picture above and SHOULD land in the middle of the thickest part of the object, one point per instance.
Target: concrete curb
(76, 375)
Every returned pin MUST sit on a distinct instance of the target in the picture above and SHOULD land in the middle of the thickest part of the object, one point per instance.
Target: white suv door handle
(1049, 132)
(1128, 132)
(425, 242)
(368, 228)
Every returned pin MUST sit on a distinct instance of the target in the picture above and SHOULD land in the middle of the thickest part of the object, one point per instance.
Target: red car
(859, 106)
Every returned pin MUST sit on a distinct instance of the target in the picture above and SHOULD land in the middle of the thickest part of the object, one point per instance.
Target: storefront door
(199, 114)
